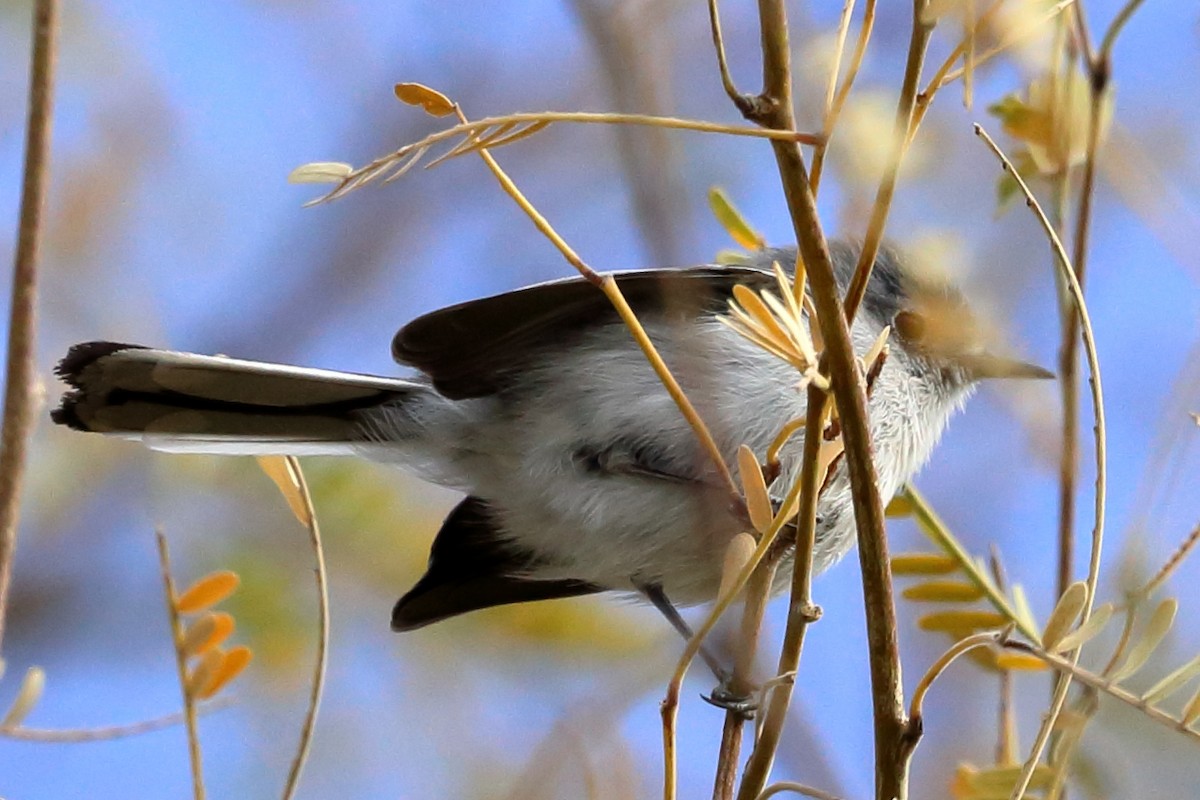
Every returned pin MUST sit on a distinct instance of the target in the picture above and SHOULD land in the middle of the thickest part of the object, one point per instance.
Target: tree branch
(18, 388)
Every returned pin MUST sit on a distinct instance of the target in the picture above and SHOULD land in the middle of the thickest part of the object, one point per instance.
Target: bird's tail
(183, 402)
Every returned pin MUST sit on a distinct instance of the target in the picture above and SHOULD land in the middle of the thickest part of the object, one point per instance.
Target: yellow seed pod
(208, 591)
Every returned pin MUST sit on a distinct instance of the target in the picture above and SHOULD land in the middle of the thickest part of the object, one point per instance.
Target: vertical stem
(802, 610)
(758, 592)
(894, 738)
(189, 702)
(918, 43)
(18, 394)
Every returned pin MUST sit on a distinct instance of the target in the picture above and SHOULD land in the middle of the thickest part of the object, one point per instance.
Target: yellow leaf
(923, 564)
(208, 591)
(733, 222)
(206, 633)
(1025, 662)
(432, 101)
(961, 622)
(230, 667)
(758, 503)
(202, 674)
(320, 172)
(284, 471)
(1065, 612)
(32, 686)
(1160, 622)
(943, 592)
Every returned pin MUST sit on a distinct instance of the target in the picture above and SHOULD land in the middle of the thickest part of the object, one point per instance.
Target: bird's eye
(909, 325)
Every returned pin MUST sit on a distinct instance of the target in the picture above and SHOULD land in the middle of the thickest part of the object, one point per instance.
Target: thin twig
(933, 527)
(108, 732)
(961, 647)
(22, 325)
(395, 163)
(1006, 712)
(758, 592)
(1172, 563)
(1094, 681)
(922, 29)
(320, 667)
(1115, 27)
(894, 739)
(608, 285)
(1089, 343)
(758, 768)
(189, 703)
(946, 73)
(670, 704)
(834, 109)
(714, 19)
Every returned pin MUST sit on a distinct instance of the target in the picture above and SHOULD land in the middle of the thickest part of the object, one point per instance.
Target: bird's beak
(986, 365)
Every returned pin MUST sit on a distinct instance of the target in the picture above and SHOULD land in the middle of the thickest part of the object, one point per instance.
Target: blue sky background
(172, 224)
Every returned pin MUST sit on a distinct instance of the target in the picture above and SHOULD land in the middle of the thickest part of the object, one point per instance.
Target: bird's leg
(721, 696)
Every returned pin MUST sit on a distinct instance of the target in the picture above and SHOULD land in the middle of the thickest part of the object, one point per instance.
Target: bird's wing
(468, 350)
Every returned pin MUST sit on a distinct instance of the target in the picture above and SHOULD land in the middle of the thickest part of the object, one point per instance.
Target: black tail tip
(83, 355)
(67, 413)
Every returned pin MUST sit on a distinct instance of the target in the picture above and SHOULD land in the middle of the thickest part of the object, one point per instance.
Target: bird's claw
(744, 705)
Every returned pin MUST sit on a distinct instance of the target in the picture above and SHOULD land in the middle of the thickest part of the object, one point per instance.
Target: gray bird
(581, 475)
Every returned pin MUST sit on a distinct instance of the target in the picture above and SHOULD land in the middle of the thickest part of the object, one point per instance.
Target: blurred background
(172, 224)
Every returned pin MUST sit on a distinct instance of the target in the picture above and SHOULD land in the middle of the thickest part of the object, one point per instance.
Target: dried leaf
(737, 555)
(923, 564)
(432, 101)
(1152, 636)
(282, 470)
(208, 591)
(32, 686)
(1085, 632)
(732, 220)
(1191, 711)
(1020, 604)
(1065, 612)
(320, 172)
(1173, 681)
(758, 503)
(943, 592)
(500, 140)
(232, 665)
(206, 633)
